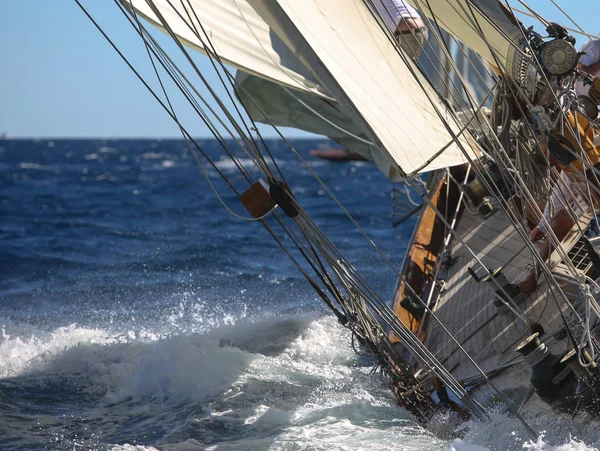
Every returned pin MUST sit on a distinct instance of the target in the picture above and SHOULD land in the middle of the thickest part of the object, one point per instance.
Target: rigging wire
(200, 165)
(443, 73)
(573, 30)
(346, 274)
(522, 191)
(592, 207)
(580, 158)
(246, 136)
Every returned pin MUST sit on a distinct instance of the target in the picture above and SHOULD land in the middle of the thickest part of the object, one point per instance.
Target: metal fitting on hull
(552, 379)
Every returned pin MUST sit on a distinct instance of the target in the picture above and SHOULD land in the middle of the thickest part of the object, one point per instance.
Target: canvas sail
(341, 46)
(271, 103)
(239, 35)
(349, 52)
(482, 25)
(268, 102)
(332, 49)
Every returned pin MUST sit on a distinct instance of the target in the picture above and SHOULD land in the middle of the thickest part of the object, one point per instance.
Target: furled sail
(239, 35)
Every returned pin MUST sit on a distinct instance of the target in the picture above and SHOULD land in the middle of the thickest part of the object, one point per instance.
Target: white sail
(332, 49)
(482, 25)
(348, 45)
(239, 35)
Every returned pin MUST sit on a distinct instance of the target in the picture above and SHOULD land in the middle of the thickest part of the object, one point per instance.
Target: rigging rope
(360, 310)
(363, 309)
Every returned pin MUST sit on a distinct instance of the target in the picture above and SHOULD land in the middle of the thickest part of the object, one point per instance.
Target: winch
(477, 193)
(505, 292)
(558, 57)
(552, 379)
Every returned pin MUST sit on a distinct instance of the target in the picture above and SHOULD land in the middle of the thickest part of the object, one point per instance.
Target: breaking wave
(285, 382)
(136, 315)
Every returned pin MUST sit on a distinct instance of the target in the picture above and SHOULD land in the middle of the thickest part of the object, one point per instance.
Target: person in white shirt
(568, 201)
(569, 197)
(405, 23)
(590, 63)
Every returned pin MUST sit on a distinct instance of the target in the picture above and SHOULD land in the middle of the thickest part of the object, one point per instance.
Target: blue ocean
(137, 313)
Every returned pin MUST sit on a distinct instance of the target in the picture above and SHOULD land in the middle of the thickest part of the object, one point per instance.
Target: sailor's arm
(409, 23)
(592, 69)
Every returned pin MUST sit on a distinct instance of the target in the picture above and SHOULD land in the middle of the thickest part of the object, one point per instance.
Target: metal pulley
(558, 57)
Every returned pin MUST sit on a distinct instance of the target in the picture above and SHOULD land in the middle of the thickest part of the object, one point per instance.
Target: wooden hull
(476, 333)
(423, 253)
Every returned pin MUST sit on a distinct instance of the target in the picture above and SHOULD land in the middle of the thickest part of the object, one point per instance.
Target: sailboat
(482, 316)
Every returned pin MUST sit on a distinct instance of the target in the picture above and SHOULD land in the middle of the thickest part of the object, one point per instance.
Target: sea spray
(138, 314)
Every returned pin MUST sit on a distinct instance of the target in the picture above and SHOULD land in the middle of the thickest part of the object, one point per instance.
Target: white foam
(128, 447)
(156, 156)
(143, 363)
(334, 433)
(188, 369)
(320, 343)
(459, 445)
(19, 355)
(284, 381)
(570, 444)
(271, 416)
(556, 433)
(230, 165)
(36, 166)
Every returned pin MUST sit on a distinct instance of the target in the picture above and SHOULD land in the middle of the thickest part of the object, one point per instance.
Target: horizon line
(7, 137)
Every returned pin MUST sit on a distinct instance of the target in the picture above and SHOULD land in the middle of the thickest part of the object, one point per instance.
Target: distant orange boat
(336, 155)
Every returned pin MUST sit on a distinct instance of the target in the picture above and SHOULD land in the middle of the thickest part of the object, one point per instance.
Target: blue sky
(59, 77)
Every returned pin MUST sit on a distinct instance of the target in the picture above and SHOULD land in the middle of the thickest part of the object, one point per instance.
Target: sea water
(137, 313)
